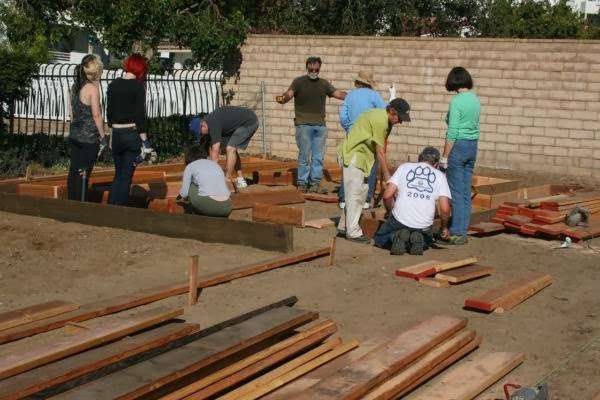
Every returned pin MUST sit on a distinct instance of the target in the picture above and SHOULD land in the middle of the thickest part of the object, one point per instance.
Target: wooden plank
(319, 223)
(487, 228)
(31, 356)
(278, 214)
(249, 366)
(516, 290)
(324, 198)
(275, 197)
(464, 274)
(219, 277)
(469, 347)
(193, 281)
(299, 371)
(472, 377)
(434, 282)
(312, 378)
(274, 178)
(245, 390)
(34, 313)
(369, 226)
(150, 295)
(356, 379)
(148, 376)
(68, 369)
(207, 229)
(395, 385)
(431, 267)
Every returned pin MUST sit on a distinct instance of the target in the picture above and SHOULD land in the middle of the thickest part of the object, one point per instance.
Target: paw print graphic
(420, 178)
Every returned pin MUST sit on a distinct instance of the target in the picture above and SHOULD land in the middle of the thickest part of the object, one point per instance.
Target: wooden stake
(193, 279)
(332, 252)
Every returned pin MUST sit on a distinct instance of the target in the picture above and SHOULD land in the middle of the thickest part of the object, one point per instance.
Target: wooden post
(332, 252)
(193, 279)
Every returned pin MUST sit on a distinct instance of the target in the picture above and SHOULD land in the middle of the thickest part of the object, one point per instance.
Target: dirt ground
(558, 329)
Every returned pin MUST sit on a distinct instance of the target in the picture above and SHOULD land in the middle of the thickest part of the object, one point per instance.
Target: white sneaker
(342, 205)
(241, 183)
(366, 206)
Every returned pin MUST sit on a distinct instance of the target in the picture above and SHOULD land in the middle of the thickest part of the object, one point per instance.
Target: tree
(28, 28)
(529, 19)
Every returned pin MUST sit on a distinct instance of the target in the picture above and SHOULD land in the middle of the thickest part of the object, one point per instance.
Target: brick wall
(540, 98)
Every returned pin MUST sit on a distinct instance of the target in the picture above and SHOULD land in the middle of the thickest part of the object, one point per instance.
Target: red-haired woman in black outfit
(126, 115)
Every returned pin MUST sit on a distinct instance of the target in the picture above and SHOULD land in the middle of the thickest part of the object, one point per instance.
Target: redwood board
(33, 355)
(355, 380)
(146, 377)
(472, 377)
(120, 303)
(277, 197)
(62, 371)
(395, 385)
(34, 313)
(464, 274)
(325, 198)
(278, 214)
(486, 228)
(518, 289)
(183, 226)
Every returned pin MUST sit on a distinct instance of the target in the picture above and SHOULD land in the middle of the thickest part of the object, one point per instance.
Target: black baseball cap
(402, 108)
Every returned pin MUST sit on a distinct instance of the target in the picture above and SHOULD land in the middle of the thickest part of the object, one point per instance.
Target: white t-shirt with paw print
(419, 187)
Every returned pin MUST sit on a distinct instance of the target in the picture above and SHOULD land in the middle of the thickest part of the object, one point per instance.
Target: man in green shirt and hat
(365, 141)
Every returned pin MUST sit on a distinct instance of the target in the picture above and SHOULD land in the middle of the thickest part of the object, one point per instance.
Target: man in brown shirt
(309, 93)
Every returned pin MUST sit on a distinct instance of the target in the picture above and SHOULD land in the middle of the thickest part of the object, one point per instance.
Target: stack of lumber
(510, 294)
(150, 355)
(438, 274)
(398, 366)
(548, 219)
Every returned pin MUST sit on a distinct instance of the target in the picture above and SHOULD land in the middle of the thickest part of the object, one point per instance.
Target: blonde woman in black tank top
(86, 132)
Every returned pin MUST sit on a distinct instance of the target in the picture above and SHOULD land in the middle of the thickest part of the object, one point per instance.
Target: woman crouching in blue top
(203, 184)
(460, 150)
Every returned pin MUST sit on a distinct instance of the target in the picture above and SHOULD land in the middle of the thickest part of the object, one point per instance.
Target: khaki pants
(356, 190)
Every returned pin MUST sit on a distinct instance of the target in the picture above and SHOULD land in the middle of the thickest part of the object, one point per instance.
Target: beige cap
(366, 77)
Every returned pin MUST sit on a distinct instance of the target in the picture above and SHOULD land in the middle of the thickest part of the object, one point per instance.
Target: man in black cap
(230, 127)
(365, 141)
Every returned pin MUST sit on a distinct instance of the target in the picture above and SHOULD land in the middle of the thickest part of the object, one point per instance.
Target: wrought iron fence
(47, 108)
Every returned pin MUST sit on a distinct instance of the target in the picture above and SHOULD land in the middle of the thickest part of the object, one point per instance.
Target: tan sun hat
(366, 77)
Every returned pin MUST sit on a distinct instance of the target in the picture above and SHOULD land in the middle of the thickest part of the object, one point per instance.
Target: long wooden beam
(140, 379)
(207, 229)
(59, 372)
(34, 313)
(27, 357)
(120, 303)
(357, 379)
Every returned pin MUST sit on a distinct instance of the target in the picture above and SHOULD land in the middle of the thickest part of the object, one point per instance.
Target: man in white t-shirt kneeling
(411, 195)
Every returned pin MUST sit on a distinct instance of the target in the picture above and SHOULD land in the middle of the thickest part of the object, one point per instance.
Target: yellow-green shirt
(369, 130)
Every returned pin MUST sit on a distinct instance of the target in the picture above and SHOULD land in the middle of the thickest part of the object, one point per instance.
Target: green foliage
(126, 26)
(529, 19)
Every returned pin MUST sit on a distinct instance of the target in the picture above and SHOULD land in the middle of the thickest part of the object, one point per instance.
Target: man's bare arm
(339, 94)
(389, 196)
(383, 163)
(214, 151)
(285, 97)
(444, 209)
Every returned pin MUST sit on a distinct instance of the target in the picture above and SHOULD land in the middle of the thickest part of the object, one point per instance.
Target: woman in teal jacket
(460, 150)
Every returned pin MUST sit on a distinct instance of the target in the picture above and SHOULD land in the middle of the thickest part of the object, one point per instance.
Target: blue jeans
(460, 171)
(126, 145)
(372, 182)
(311, 146)
(385, 234)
